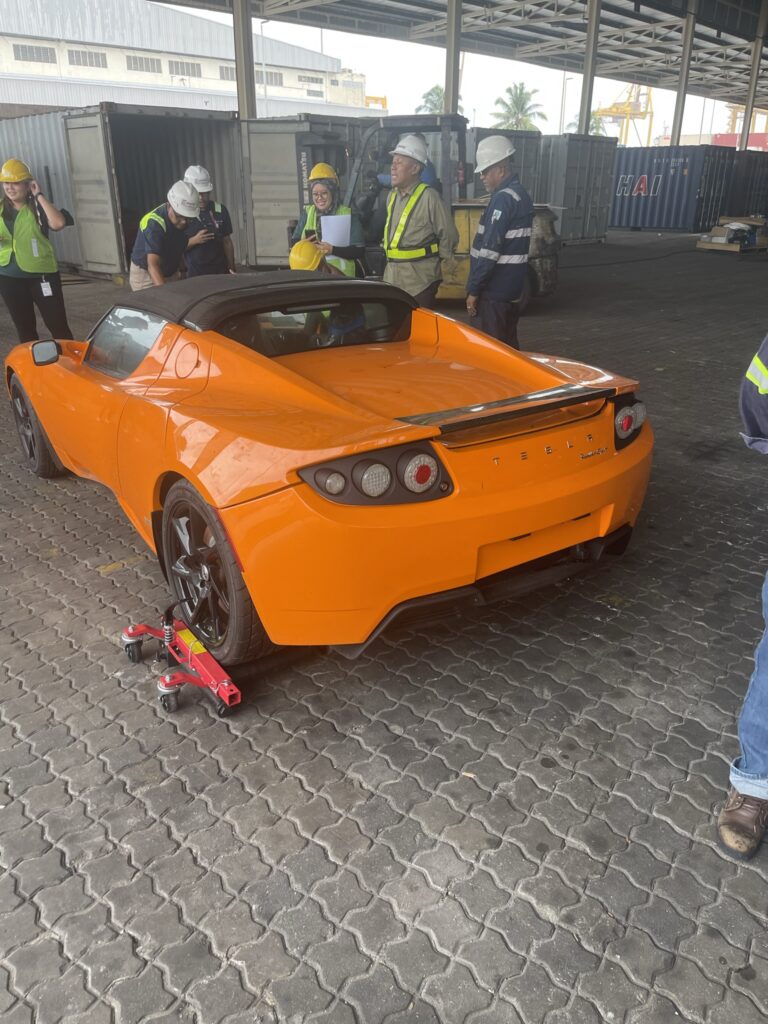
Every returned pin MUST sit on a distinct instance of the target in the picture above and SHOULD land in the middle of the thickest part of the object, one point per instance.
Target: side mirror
(45, 352)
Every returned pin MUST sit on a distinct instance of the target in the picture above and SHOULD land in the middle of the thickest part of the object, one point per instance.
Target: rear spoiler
(509, 408)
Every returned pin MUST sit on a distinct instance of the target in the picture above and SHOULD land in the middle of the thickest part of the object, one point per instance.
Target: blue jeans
(749, 773)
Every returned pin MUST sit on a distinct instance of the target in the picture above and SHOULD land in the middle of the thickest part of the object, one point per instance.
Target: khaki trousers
(139, 278)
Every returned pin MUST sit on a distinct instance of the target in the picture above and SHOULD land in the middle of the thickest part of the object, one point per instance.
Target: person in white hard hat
(161, 240)
(209, 237)
(418, 232)
(498, 259)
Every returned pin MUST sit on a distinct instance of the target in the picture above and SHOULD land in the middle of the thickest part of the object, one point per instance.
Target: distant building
(58, 54)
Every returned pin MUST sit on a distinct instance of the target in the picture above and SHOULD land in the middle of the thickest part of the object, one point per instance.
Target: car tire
(206, 581)
(35, 447)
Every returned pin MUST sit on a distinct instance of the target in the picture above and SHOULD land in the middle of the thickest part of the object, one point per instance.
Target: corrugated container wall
(526, 161)
(672, 188)
(748, 192)
(576, 182)
(40, 140)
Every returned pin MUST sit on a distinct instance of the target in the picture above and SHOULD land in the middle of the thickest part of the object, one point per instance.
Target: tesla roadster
(310, 457)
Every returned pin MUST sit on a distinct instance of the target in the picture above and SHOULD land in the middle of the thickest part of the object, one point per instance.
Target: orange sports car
(309, 457)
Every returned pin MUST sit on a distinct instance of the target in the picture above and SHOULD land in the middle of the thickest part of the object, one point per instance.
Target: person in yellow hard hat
(29, 273)
(307, 255)
(324, 193)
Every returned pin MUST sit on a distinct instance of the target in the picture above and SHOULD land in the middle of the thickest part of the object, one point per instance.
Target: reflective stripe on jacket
(34, 253)
(347, 267)
(392, 247)
(499, 253)
(753, 401)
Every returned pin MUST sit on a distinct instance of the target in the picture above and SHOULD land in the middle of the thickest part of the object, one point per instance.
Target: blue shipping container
(670, 188)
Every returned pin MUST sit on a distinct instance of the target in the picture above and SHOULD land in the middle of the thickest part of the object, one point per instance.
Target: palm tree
(433, 101)
(518, 112)
(596, 125)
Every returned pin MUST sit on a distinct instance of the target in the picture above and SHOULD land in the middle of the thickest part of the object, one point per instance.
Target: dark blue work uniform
(209, 258)
(498, 260)
(158, 236)
(753, 401)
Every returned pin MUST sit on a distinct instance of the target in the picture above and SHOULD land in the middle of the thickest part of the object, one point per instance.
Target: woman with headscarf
(324, 193)
(29, 273)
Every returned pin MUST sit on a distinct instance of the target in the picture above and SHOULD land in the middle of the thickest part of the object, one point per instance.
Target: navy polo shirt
(209, 258)
(169, 244)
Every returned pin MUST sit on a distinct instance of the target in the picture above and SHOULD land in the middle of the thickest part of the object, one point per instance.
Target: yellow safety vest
(152, 215)
(347, 267)
(34, 253)
(392, 248)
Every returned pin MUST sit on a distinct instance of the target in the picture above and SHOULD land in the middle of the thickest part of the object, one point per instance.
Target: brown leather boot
(742, 824)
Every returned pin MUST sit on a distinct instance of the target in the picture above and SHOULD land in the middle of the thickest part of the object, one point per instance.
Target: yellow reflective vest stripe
(392, 248)
(34, 253)
(347, 267)
(152, 215)
(758, 374)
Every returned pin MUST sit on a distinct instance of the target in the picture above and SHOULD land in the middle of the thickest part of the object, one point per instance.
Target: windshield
(304, 328)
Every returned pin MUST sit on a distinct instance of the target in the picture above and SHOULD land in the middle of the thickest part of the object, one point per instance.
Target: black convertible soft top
(202, 302)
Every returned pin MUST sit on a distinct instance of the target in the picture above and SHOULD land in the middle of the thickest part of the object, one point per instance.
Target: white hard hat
(412, 146)
(184, 199)
(492, 151)
(199, 177)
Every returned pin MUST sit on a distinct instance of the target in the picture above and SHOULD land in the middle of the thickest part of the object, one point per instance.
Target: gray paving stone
(532, 993)
(376, 995)
(262, 961)
(491, 959)
(142, 996)
(337, 960)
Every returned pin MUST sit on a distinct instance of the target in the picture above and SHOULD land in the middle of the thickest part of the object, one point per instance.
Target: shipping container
(747, 194)
(670, 188)
(111, 164)
(576, 181)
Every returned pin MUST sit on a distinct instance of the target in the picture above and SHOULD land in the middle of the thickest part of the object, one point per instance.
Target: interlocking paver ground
(503, 819)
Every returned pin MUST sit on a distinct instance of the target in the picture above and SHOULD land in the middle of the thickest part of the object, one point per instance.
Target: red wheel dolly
(190, 663)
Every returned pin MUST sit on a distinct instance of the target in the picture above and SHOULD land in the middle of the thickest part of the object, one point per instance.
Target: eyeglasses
(321, 195)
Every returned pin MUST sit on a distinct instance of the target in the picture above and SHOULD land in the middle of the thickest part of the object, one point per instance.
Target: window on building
(187, 68)
(334, 81)
(37, 54)
(314, 92)
(311, 78)
(87, 58)
(273, 78)
(150, 64)
(349, 84)
(227, 73)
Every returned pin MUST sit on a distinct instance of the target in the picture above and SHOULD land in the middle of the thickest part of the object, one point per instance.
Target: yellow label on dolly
(191, 641)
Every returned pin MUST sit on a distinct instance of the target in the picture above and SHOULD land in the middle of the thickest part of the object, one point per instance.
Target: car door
(86, 398)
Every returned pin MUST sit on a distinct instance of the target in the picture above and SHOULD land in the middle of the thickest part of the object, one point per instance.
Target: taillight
(418, 472)
(629, 416)
(391, 476)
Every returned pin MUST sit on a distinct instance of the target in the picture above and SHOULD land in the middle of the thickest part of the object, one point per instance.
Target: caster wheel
(223, 710)
(169, 702)
(133, 650)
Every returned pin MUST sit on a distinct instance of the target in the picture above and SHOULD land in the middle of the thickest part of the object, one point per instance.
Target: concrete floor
(504, 821)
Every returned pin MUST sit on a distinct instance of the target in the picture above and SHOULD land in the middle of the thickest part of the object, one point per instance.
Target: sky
(403, 72)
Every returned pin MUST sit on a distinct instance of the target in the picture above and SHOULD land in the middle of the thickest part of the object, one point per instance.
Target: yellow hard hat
(324, 171)
(15, 170)
(304, 256)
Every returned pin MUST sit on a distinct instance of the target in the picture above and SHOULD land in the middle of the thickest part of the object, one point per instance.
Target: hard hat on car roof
(199, 177)
(492, 151)
(323, 172)
(413, 146)
(15, 170)
(184, 199)
(304, 255)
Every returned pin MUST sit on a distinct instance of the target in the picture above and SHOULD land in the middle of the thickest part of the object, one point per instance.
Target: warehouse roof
(640, 40)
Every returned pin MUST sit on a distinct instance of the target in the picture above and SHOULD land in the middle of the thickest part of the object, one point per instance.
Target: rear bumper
(326, 574)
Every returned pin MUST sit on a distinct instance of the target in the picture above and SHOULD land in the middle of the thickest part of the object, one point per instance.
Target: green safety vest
(392, 248)
(34, 253)
(347, 267)
(152, 215)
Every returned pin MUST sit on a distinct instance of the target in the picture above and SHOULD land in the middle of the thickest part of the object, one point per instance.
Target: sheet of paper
(336, 229)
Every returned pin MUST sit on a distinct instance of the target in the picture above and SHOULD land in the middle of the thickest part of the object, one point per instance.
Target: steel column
(246, 83)
(685, 66)
(452, 58)
(590, 61)
(754, 74)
